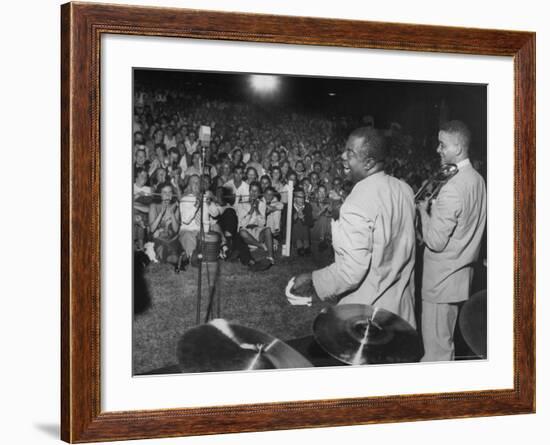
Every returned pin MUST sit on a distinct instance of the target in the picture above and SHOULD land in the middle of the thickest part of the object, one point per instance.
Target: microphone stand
(201, 232)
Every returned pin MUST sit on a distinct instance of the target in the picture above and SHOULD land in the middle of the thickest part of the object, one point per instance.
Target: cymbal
(224, 346)
(473, 323)
(359, 334)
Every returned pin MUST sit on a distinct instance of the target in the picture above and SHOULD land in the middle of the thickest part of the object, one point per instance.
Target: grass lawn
(255, 300)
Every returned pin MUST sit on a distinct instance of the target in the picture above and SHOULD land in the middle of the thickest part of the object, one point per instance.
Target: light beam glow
(264, 84)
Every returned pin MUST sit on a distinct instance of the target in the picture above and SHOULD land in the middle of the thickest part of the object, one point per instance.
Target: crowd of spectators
(253, 156)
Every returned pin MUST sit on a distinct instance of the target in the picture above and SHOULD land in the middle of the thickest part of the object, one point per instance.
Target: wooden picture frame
(82, 26)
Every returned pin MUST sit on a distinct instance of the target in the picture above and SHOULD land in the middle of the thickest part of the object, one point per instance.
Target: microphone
(204, 138)
(205, 133)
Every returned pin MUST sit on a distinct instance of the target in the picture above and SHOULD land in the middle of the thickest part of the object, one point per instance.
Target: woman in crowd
(189, 218)
(195, 168)
(164, 221)
(142, 200)
(302, 221)
(300, 170)
(277, 180)
(265, 182)
(322, 215)
(305, 185)
(159, 180)
(274, 210)
(255, 162)
(285, 169)
(191, 144)
(274, 159)
(237, 158)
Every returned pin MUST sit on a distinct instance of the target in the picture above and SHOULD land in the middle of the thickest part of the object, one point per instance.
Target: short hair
(226, 195)
(459, 129)
(373, 143)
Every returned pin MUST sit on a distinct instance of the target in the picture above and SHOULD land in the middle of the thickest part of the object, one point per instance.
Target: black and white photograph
(284, 221)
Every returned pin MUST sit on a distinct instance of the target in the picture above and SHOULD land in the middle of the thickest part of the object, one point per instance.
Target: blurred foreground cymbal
(359, 334)
(473, 323)
(223, 346)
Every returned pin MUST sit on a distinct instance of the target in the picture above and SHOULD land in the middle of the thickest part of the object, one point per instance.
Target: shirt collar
(463, 163)
(378, 174)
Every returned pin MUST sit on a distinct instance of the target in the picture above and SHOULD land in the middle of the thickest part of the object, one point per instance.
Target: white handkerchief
(295, 300)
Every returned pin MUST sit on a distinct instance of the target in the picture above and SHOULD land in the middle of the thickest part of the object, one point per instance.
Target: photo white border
(120, 391)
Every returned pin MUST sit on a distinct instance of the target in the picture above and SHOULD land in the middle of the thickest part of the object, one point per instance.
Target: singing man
(373, 237)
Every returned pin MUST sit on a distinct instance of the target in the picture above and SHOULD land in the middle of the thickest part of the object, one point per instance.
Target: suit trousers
(438, 325)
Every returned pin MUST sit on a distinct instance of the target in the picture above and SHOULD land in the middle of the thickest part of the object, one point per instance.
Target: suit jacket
(374, 248)
(452, 235)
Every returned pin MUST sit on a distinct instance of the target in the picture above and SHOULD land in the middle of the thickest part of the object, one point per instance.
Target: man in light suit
(452, 233)
(373, 238)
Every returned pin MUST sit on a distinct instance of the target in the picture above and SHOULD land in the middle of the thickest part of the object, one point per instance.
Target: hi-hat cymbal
(223, 346)
(473, 323)
(359, 334)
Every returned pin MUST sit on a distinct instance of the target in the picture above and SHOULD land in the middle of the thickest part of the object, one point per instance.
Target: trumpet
(433, 186)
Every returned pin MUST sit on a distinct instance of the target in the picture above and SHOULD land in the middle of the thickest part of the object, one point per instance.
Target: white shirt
(190, 216)
(241, 192)
(189, 213)
(191, 146)
(255, 218)
(145, 189)
(170, 142)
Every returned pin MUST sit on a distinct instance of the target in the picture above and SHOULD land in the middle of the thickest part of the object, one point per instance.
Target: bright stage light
(263, 83)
